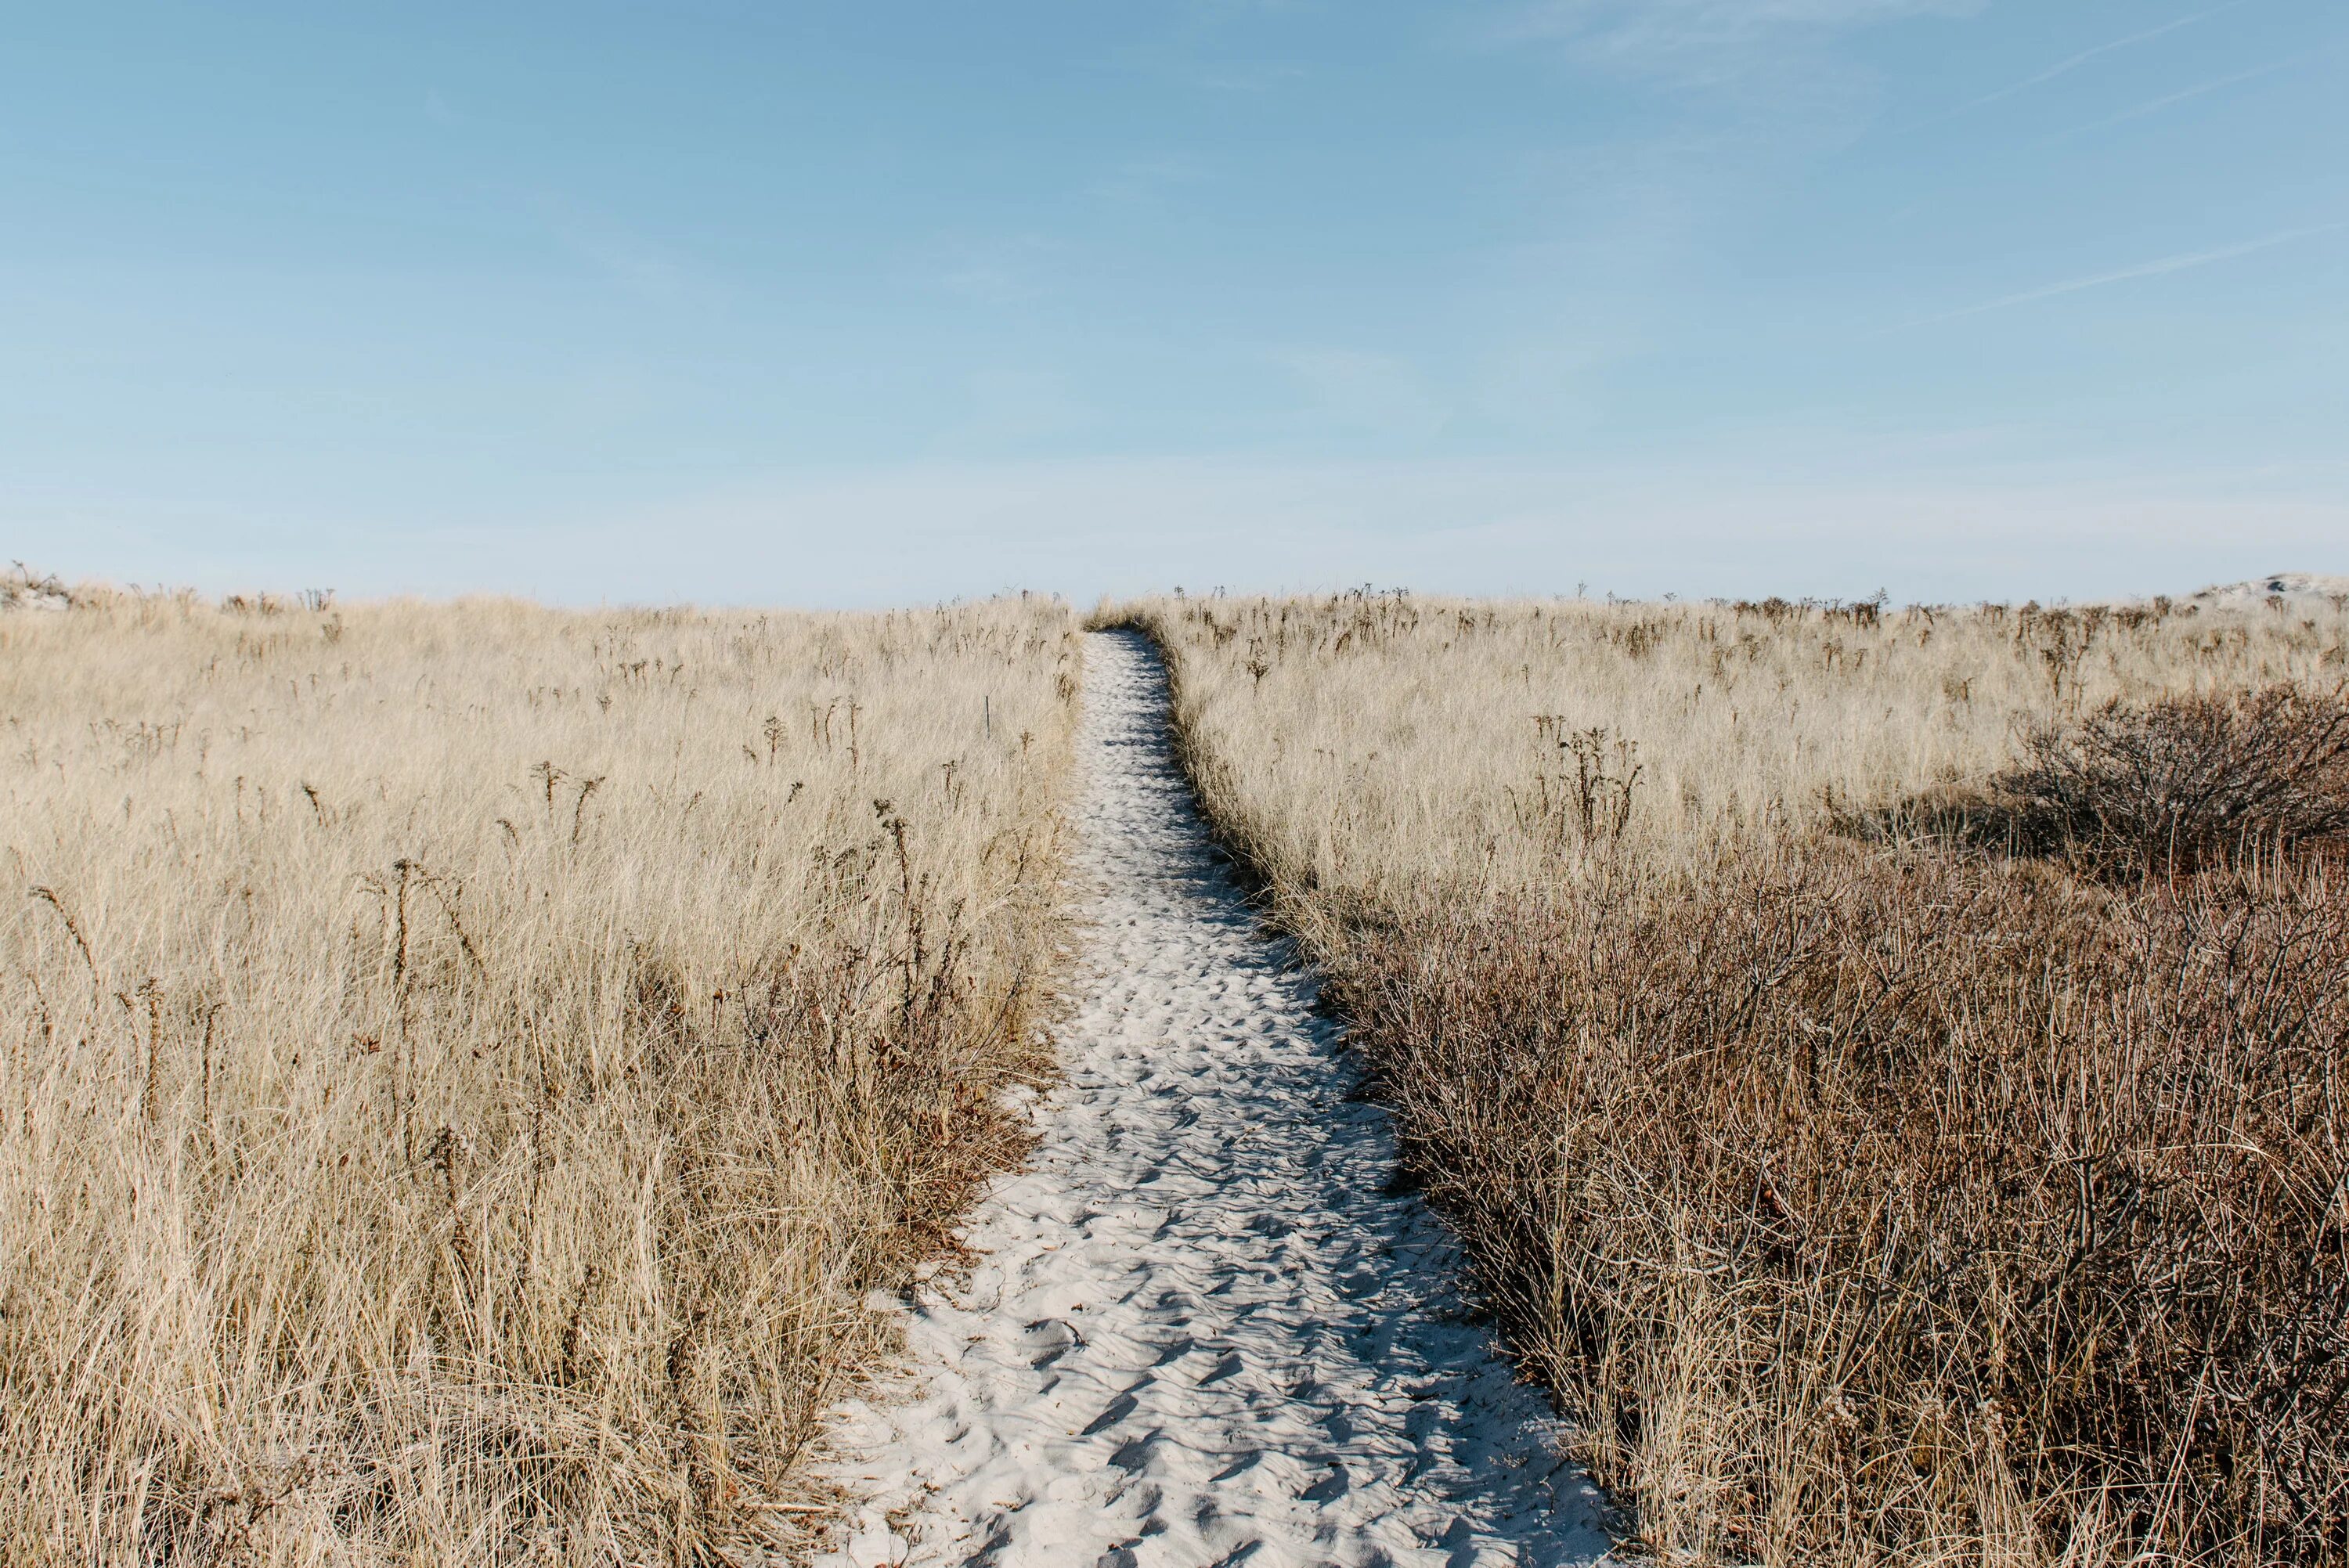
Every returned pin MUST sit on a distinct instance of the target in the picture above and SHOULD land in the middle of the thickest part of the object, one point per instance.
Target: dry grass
(461, 1066)
(1872, 1197)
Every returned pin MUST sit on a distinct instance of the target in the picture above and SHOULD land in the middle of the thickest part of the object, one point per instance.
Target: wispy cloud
(1147, 181)
(1350, 390)
(1008, 408)
(2066, 66)
(1710, 36)
(2185, 261)
(1251, 79)
(999, 271)
(2215, 84)
(650, 272)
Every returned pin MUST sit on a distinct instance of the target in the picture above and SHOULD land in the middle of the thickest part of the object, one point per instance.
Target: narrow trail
(1202, 1331)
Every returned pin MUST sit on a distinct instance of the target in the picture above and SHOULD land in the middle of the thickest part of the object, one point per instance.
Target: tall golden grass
(1882, 1168)
(461, 1066)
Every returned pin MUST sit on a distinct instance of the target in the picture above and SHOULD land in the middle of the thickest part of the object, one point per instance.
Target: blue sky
(875, 302)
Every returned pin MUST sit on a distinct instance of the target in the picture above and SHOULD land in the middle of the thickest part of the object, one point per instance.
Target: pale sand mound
(1202, 1330)
(21, 590)
(2292, 587)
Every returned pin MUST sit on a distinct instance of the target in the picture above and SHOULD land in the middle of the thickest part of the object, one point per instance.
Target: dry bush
(461, 1066)
(1870, 1201)
(1871, 1204)
(2181, 781)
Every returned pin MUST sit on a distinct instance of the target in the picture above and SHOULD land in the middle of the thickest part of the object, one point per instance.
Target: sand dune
(2291, 587)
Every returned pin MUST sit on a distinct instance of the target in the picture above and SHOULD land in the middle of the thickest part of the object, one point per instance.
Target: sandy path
(1203, 1331)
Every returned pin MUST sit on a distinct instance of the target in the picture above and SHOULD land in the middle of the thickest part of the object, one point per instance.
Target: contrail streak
(2178, 263)
(2196, 91)
(2084, 55)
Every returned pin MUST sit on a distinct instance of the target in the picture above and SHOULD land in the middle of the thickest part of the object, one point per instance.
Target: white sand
(2299, 589)
(18, 591)
(1202, 1330)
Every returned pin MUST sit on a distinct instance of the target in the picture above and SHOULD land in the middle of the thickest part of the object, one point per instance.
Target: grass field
(460, 1066)
(1885, 1064)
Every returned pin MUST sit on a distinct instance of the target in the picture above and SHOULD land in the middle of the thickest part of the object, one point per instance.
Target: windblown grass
(460, 1067)
(1873, 1191)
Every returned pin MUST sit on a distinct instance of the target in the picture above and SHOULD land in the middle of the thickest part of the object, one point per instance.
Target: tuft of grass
(462, 1066)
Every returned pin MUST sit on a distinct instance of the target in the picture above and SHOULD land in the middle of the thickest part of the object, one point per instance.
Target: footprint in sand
(1203, 1329)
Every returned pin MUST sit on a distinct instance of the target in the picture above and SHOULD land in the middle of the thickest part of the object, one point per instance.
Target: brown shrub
(2181, 781)
(1871, 1204)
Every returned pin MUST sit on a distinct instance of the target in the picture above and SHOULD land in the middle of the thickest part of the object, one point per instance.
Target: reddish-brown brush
(1885, 1065)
